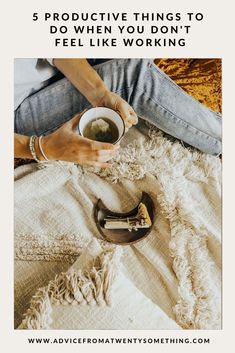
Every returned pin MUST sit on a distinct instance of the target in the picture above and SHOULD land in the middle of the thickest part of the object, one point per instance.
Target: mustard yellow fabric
(201, 78)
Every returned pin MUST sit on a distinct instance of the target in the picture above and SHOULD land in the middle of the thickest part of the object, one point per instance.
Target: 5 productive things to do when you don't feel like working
(58, 26)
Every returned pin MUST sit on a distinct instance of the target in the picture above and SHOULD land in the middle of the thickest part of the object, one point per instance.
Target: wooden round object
(123, 236)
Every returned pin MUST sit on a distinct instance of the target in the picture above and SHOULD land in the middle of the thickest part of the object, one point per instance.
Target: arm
(22, 150)
(84, 78)
(65, 144)
(89, 83)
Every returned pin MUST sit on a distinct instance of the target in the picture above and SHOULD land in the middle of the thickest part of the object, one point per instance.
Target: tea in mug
(101, 129)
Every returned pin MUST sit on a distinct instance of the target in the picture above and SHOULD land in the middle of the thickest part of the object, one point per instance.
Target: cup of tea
(102, 124)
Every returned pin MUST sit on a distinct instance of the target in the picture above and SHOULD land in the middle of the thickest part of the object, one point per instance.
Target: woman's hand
(114, 101)
(90, 84)
(67, 145)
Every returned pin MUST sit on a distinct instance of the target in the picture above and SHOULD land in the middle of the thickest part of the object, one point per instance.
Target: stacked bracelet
(41, 149)
(32, 148)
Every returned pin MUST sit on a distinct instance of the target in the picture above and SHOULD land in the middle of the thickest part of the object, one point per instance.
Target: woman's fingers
(96, 145)
(127, 113)
(133, 117)
(104, 153)
(114, 101)
(97, 155)
(66, 144)
(85, 144)
(124, 112)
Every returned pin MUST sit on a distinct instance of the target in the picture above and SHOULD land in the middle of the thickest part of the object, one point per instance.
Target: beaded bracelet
(41, 149)
(32, 148)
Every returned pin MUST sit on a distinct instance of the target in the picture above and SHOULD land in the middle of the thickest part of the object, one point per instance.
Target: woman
(132, 87)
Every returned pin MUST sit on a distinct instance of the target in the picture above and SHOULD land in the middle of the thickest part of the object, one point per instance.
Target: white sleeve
(50, 60)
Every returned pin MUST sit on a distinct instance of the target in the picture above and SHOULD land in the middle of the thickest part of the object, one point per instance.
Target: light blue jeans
(152, 94)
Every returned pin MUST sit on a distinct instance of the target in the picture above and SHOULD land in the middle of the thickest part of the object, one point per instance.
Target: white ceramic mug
(102, 112)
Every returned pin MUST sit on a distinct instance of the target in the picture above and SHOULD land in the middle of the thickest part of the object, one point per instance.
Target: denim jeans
(152, 94)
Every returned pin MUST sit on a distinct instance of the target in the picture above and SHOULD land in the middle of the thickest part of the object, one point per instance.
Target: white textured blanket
(177, 266)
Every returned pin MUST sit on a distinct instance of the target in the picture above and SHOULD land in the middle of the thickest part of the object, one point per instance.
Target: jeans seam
(175, 85)
(187, 125)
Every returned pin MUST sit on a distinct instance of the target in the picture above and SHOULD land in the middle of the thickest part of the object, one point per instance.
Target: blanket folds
(177, 266)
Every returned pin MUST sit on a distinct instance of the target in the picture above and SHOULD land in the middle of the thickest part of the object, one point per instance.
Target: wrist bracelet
(32, 148)
(41, 149)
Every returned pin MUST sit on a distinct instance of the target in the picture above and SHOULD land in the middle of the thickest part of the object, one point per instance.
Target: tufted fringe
(159, 156)
(198, 306)
(89, 286)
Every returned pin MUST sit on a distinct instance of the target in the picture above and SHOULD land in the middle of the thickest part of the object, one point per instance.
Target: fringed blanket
(175, 271)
